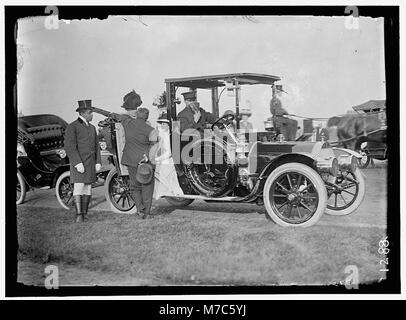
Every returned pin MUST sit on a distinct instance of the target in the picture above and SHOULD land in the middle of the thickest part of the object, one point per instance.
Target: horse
(351, 130)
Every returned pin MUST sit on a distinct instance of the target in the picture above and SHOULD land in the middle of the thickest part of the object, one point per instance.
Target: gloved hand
(80, 168)
(98, 167)
(114, 116)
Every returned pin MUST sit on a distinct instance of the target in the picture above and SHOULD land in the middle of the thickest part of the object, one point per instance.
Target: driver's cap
(190, 95)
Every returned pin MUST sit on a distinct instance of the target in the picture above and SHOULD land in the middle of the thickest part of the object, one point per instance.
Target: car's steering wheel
(223, 122)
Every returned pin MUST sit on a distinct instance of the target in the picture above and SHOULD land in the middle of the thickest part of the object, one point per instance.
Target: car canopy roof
(204, 82)
(371, 106)
(38, 120)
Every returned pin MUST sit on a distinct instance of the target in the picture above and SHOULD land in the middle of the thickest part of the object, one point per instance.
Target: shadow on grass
(198, 248)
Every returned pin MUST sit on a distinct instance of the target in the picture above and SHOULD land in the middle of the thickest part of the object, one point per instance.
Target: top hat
(190, 95)
(132, 101)
(84, 105)
(145, 173)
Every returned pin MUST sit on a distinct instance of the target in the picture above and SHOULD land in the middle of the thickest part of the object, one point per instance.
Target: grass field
(186, 247)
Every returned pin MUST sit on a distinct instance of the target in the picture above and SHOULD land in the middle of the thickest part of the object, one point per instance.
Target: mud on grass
(196, 248)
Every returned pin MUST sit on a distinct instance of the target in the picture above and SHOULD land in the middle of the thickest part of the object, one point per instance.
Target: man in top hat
(192, 116)
(139, 137)
(82, 148)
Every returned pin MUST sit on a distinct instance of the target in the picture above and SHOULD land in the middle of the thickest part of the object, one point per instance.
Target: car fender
(58, 172)
(300, 157)
(340, 151)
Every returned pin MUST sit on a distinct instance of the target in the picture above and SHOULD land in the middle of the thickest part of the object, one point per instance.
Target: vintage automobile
(297, 182)
(42, 161)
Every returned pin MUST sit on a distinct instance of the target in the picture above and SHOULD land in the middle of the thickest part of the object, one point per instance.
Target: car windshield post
(237, 103)
(214, 101)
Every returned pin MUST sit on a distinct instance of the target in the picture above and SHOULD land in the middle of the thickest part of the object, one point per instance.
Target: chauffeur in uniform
(192, 116)
(82, 148)
(139, 137)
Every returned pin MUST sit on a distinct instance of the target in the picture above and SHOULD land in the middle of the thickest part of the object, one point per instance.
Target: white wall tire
(64, 191)
(350, 198)
(295, 195)
(118, 194)
(21, 188)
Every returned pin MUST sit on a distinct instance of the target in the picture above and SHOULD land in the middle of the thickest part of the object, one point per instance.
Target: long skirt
(166, 180)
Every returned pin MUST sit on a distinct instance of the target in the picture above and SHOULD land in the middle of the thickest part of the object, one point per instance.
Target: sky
(325, 67)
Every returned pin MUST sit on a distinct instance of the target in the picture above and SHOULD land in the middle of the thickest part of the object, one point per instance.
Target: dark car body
(41, 158)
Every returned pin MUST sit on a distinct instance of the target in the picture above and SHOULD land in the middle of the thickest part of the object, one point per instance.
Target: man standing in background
(82, 148)
(283, 125)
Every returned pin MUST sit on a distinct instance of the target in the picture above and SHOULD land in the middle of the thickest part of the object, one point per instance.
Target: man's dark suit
(138, 139)
(187, 121)
(82, 146)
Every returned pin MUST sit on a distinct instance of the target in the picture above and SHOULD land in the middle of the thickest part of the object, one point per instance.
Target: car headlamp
(103, 145)
(61, 153)
(243, 173)
(328, 165)
(347, 163)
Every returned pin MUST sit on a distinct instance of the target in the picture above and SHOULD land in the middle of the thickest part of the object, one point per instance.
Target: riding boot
(85, 204)
(78, 208)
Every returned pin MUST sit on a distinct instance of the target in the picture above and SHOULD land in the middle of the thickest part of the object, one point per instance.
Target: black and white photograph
(206, 151)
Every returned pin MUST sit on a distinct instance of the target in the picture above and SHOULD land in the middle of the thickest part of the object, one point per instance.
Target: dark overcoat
(82, 146)
(187, 121)
(139, 137)
(276, 107)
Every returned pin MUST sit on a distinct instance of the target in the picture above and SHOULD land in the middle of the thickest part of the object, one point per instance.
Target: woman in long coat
(82, 148)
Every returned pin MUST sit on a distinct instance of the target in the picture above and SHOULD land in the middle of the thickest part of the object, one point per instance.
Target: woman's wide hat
(84, 105)
(131, 101)
(246, 111)
(163, 119)
(145, 173)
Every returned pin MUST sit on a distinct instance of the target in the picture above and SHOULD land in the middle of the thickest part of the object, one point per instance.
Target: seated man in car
(192, 116)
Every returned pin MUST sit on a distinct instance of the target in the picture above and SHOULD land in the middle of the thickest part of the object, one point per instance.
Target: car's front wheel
(295, 195)
(345, 193)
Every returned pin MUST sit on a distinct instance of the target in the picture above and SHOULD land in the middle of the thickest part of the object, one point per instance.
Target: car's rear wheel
(21, 189)
(345, 193)
(295, 195)
(118, 193)
(64, 191)
(179, 202)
